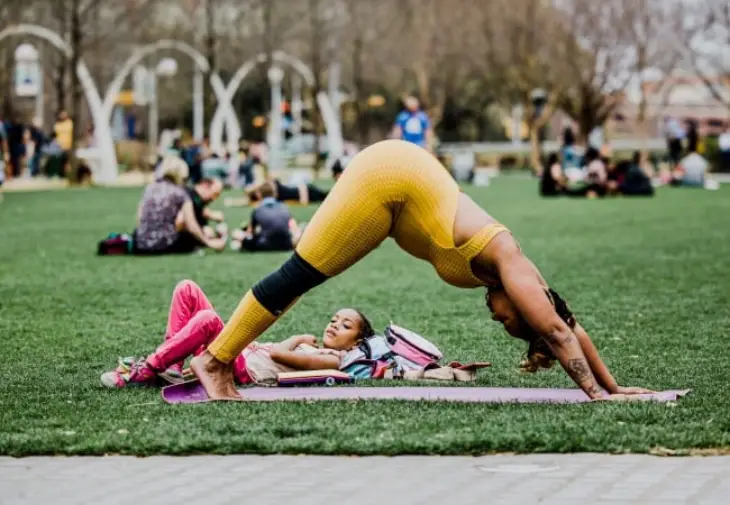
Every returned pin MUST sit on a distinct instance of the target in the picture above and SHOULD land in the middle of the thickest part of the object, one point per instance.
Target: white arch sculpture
(102, 129)
(332, 125)
(224, 103)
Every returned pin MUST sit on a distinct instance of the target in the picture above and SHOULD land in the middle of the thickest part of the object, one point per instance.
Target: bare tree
(600, 59)
(526, 44)
(367, 25)
(654, 24)
(709, 44)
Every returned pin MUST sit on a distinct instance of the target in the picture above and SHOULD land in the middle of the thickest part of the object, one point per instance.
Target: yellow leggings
(392, 188)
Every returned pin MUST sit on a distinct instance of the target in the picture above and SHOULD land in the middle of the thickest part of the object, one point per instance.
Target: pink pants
(191, 325)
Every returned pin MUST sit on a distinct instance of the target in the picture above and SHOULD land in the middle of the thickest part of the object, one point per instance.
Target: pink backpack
(399, 350)
(412, 346)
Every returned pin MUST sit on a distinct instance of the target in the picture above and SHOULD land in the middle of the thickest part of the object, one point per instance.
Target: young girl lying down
(193, 324)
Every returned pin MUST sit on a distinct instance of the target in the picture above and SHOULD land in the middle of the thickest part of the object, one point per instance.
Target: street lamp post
(29, 77)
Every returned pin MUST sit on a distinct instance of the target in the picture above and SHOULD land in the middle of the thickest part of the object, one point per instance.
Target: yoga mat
(193, 392)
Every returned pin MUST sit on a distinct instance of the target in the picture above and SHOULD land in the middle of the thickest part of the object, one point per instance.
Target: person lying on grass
(303, 194)
(193, 324)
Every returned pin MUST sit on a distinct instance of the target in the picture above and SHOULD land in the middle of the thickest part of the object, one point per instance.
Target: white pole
(154, 113)
(198, 105)
(334, 88)
(41, 96)
(296, 105)
(198, 83)
(275, 77)
(516, 124)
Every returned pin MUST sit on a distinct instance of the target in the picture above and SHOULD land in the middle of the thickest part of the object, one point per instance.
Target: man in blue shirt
(413, 125)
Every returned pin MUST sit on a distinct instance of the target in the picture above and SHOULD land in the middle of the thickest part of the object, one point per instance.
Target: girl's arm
(292, 343)
(599, 368)
(304, 361)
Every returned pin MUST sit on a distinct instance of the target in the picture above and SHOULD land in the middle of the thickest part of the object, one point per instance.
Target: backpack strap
(470, 366)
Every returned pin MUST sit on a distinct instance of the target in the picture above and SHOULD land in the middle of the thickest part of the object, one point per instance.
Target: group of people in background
(594, 172)
(173, 215)
(29, 151)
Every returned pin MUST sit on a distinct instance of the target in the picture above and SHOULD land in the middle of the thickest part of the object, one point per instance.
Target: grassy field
(647, 278)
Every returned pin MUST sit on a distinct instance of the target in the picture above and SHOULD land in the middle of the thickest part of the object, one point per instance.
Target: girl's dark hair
(366, 328)
(539, 355)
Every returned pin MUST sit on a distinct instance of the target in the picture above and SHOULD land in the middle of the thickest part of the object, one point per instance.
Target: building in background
(682, 97)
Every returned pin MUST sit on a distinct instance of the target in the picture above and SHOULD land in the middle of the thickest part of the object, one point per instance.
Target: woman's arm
(600, 370)
(523, 284)
(193, 227)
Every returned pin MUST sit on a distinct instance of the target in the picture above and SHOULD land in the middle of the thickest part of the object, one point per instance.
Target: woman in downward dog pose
(397, 189)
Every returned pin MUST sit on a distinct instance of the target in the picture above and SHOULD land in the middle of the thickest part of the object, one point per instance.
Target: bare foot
(216, 377)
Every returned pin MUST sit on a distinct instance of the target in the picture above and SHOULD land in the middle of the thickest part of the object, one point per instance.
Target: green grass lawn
(647, 278)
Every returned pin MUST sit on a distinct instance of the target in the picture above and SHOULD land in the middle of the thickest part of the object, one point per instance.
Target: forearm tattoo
(554, 338)
(579, 369)
(594, 389)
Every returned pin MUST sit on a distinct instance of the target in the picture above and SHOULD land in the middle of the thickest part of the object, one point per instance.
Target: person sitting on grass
(202, 195)
(272, 227)
(166, 222)
(691, 171)
(193, 324)
(552, 181)
(596, 174)
(630, 178)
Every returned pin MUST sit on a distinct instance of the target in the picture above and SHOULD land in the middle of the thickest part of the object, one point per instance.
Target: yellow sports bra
(453, 265)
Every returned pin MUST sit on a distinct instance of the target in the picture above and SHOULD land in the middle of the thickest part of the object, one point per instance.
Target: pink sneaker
(174, 374)
(130, 373)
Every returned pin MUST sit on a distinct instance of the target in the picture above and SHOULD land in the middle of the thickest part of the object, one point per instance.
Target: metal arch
(102, 129)
(216, 124)
(332, 127)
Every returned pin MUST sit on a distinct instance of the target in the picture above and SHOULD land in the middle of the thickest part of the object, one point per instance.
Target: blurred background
(500, 81)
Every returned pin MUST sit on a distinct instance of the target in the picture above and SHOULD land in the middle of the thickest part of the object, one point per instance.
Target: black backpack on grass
(116, 244)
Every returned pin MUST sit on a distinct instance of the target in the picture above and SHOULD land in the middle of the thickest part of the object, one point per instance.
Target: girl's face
(343, 332)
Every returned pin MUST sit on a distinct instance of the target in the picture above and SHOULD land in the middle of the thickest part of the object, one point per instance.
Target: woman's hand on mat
(616, 398)
(633, 391)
